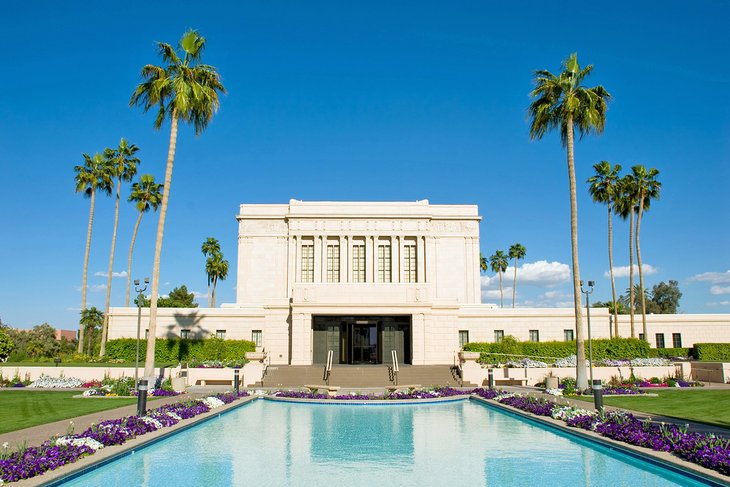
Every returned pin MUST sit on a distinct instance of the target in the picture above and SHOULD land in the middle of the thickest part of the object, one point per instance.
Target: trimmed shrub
(711, 351)
(180, 350)
(670, 352)
(615, 348)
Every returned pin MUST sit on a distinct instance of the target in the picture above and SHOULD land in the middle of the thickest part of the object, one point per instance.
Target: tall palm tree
(648, 189)
(217, 268)
(516, 252)
(210, 248)
(92, 319)
(94, 175)
(483, 265)
(604, 188)
(625, 206)
(123, 164)
(561, 102)
(498, 261)
(182, 89)
(146, 195)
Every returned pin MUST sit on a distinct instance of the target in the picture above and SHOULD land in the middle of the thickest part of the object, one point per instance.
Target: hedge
(614, 348)
(670, 352)
(711, 351)
(181, 350)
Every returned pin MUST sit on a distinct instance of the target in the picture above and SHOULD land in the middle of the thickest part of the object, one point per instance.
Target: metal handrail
(394, 356)
(459, 369)
(328, 367)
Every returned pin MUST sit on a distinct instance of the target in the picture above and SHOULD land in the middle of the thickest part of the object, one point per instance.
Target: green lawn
(696, 404)
(23, 409)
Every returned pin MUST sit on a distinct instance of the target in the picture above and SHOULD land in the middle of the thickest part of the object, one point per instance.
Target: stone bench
(511, 381)
(410, 387)
(331, 390)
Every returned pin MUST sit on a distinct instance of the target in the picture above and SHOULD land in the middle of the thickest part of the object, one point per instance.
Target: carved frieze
(262, 227)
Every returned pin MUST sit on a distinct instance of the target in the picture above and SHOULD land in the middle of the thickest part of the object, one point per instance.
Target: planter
(551, 382)
(255, 356)
(464, 356)
(179, 384)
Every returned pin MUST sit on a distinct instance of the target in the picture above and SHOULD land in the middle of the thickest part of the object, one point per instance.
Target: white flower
(90, 442)
(151, 421)
(174, 415)
(554, 392)
(5, 445)
(48, 382)
(212, 402)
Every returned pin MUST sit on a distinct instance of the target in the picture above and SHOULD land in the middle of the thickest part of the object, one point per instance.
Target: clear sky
(364, 101)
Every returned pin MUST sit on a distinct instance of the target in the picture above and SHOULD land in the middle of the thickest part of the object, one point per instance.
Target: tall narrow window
(677, 340)
(498, 335)
(220, 334)
(256, 337)
(660, 340)
(384, 267)
(409, 263)
(333, 263)
(568, 334)
(463, 338)
(307, 262)
(534, 335)
(358, 262)
(184, 334)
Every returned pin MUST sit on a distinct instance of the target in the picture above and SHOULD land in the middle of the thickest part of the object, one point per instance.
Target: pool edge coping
(367, 402)
(663, 459)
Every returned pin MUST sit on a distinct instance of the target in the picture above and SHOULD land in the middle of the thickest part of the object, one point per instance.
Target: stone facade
(362, 278)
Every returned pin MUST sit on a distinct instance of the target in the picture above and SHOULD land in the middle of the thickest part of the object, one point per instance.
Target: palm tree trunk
(129, 259)
(215, 283)
(610, 270)
(514, 285)
(105, 325)
(580, 352)
(641, 272)
(80, 347)
(149, 365)
(209, 295)
(631, 271)
(501, 294)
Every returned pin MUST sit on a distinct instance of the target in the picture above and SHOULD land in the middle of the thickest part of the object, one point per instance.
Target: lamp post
(588, 292)
(140, 296)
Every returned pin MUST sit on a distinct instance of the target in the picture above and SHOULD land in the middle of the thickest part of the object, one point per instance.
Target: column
(297, 258)
(291, 263)
(400, 258)
(323, 259)
(375, 259)
(343, 258)
(394, 257)
(348, 257)
(420, 256)
(317, 258)
(368, 259)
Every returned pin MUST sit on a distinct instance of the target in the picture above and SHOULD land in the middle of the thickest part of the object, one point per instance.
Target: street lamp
(140, 297)
(588, 292)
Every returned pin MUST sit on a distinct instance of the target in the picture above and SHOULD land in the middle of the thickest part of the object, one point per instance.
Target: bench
(410, 387)
(331, 390)
(507, 381)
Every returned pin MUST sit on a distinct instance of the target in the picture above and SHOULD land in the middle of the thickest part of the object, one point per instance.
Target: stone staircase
(353, 376)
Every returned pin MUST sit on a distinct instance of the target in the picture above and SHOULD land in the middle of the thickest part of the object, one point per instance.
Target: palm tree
(210, 248)
(123, 164)
(183, 89)
(216, 268)
(604, 188)
(498, 261)
(92, 319)
(516, 252)
(146, 194)
(625, 206)
(648, 189)
(94, 175)
(561, 102)
(483, 266)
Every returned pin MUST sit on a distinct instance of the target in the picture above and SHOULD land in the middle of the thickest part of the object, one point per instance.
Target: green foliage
(670, 352)
(711, 351)
(6, 345)
(178, 298)
(180, 350)
(615, 348)
(664, 298)
(37, 344)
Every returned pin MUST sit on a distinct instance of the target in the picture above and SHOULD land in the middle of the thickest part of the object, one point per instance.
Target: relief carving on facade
(262, 227)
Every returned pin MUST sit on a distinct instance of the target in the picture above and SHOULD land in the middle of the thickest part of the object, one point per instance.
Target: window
(256, 338)
(641, 336)
(677, 340)
(463, 338)
(333, 263)
(308, 262)
(358, 262)
(184, 334)
(659, 340)
(220, 334)
(409, 263)
(384, 268)
(498, 335)
(534, 335)
(568, 334)
(146, 333)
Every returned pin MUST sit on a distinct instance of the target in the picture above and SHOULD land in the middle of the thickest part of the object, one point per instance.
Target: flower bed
(416, 394)
(25, 463)
(48, 382)
(706, 450)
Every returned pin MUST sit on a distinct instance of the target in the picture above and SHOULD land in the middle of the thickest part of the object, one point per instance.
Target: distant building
(70, 335)
(362, 279)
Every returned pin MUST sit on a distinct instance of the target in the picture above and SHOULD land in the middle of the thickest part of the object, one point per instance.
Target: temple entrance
(361, 339)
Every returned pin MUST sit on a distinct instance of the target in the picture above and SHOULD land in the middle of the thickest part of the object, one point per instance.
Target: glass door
(364, 344)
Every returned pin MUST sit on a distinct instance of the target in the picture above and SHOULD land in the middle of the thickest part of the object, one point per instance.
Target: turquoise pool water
(463, 443)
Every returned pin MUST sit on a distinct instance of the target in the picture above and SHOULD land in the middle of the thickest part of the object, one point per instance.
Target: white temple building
(364, 278)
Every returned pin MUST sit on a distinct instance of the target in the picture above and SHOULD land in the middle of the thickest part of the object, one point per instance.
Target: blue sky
(364, 101)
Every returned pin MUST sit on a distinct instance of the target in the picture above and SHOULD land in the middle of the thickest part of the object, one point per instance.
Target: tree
(561, 102)
(217, 268)
(179, 297)
(183, 89)
(648, 189)
(498, 261)
(516, 252)
(94, 175)
(604, 188)
(93, 320)
(210, 247)
(665, 297)
(625, 206)
(146, 195)
(6, 345)
(483, 265)
(42, 342)
(123, 165)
